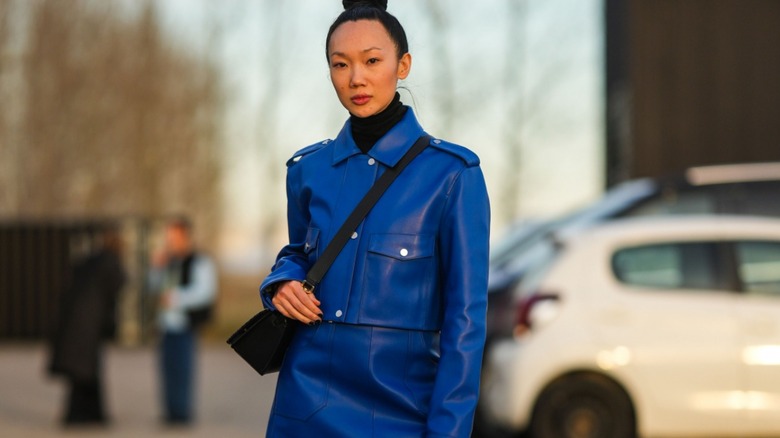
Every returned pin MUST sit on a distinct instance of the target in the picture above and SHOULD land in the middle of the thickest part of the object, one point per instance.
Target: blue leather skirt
(343, 380)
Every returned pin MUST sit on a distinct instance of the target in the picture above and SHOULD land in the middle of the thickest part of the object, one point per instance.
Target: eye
(338, 65)
(373, 60)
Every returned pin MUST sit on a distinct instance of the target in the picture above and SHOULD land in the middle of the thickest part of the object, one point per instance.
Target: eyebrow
(363, 51)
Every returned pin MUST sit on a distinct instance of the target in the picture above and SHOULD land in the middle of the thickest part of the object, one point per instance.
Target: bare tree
(268, 114)
(445, 100)
(5, 156)
(116, 121)
(527, 95)
(514, 82)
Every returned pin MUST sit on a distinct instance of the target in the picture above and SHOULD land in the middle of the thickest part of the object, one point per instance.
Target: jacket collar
(389, 149)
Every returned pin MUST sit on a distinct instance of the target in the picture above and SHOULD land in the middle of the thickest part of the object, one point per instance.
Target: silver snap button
(371, 161)
(339, 313)
(354, 235)
(404, 252)
(297, 159)
(437, 141)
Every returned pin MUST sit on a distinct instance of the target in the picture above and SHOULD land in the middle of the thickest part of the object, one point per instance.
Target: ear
(404, 66)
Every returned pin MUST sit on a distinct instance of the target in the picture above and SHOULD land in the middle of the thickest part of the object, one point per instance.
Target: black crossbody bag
(263, 340)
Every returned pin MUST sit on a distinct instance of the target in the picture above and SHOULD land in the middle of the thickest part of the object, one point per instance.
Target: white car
(653, 327)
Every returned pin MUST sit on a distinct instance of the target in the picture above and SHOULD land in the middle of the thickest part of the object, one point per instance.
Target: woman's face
(364, 66)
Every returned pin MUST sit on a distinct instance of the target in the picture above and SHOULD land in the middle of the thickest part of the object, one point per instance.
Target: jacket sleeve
(464, 242)
(291, 263)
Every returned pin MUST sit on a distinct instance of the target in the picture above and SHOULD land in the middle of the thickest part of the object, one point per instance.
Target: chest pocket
(401, 281)
(402, 246)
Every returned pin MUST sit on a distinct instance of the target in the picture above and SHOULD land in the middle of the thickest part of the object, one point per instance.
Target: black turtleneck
(366, 131)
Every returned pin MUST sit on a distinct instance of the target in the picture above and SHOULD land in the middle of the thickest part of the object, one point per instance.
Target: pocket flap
(402, 246)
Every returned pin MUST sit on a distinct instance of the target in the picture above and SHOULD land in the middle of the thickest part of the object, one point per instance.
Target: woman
(391, 342)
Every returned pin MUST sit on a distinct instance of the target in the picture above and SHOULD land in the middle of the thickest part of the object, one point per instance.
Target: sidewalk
(233, 401)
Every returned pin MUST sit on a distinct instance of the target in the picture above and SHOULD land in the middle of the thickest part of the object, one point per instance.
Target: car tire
(484, 428)
(583, 406)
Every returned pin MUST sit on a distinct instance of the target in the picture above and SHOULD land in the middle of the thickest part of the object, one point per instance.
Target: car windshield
(616, 201)
(523, 237)
(518, 240)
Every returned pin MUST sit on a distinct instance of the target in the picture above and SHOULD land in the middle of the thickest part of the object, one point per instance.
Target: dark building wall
(704, 81)
(618, 91)
(36, 262)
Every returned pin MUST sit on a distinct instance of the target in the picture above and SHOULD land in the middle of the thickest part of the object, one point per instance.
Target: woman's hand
(295, 303)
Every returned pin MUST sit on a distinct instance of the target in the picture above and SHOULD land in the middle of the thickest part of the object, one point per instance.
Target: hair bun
(379, 4)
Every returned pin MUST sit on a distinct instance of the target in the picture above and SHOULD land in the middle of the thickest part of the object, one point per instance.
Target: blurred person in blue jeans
(186, 281)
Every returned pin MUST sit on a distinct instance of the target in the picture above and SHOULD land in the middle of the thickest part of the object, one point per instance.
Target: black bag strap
(321, 266)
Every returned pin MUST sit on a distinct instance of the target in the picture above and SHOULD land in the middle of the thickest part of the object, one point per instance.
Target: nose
(357, 77)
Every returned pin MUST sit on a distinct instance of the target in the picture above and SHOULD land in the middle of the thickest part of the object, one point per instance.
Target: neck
(367, 131)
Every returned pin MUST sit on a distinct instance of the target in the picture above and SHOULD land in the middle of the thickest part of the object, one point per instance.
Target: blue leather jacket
(419, 260)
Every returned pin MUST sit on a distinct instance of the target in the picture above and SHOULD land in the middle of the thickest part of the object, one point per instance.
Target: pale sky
(264, 55)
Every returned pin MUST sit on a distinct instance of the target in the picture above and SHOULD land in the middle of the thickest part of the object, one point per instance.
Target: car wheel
(484, 428)
(583, 406)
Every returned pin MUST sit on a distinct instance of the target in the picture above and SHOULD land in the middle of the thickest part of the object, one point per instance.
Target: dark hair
(374, 10)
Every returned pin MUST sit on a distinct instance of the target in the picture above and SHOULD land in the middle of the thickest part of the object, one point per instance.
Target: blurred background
(120, 112)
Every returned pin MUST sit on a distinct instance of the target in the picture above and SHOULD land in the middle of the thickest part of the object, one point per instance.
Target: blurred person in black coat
(86, 319)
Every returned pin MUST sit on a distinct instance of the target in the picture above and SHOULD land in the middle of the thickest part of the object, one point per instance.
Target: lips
(360, 99)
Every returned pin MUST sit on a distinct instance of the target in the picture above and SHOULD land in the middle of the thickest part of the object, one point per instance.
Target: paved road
(233, 400)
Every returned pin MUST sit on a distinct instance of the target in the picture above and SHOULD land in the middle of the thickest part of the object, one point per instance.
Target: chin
(363, 112)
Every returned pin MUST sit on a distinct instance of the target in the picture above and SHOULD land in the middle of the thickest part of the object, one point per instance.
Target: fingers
(293, 302)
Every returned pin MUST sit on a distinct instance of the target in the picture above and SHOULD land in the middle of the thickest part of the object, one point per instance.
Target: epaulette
(461, 152)
(306, 151)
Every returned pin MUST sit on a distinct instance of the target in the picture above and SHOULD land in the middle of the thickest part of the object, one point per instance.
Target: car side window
(670, 266)
(758, 264)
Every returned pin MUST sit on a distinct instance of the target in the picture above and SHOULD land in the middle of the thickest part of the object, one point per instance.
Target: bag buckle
(307, 287)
